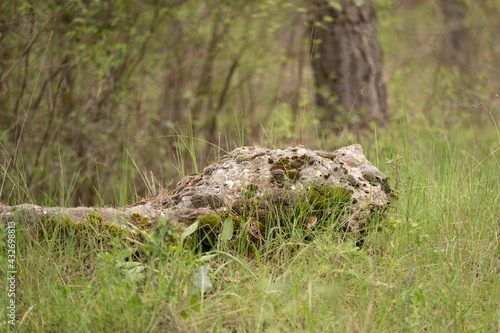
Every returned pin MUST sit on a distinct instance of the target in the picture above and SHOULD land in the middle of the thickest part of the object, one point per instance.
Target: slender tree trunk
(173, 100)
(347, 64)
(456, 46)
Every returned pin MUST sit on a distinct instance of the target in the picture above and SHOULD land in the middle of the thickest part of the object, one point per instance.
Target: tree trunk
(347, 64)
(456, 46)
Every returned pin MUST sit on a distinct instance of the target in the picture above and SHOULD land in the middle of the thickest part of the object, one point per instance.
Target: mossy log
(140, 216)
(253, 186)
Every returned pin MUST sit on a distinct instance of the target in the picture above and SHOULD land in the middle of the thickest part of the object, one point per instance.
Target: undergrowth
(431, 265)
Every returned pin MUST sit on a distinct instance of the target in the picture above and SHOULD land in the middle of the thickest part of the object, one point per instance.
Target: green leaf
(227, 230)
(206, 257)
(135, 304)
(335, 4)
(201, 280)
(189, 230)
(134, 270)
(328, 18)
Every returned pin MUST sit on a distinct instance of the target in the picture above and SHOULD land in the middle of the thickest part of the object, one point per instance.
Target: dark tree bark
(347, 64)
(456, 46)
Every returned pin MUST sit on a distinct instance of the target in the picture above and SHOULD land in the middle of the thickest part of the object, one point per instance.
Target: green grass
(433, 265)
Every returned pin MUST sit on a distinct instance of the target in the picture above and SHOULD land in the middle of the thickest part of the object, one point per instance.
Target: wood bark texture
(258, 188)
(347, 64)
(456, 46)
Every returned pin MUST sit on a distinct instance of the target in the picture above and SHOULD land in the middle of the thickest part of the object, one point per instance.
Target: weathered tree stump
(257, 188)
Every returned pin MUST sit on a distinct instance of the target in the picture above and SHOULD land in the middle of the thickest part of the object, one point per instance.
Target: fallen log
(257, 188)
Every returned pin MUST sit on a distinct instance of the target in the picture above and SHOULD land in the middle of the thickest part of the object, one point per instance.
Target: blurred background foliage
(103, 102)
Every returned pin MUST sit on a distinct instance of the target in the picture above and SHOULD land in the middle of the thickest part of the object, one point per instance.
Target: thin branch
(26, 50)
(31, 98)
